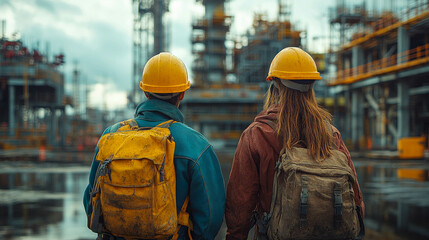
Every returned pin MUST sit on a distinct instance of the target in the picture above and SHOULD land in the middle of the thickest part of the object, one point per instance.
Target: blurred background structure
(32, 96)
(373, 57)
(150, 37)
(381, 59)
(229, 83)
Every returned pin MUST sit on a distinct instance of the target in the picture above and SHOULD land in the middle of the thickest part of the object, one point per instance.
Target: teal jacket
(198, 172)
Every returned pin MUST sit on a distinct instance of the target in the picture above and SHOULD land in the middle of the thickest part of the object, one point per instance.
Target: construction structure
(382, 71)
(254, 51)
(222, 109)
(150, 37)
(32, 97)
(208, 44)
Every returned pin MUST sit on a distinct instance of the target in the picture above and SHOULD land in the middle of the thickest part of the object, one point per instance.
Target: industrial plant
(375, 84)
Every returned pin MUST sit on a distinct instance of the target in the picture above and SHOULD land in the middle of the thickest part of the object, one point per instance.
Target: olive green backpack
(312, 199)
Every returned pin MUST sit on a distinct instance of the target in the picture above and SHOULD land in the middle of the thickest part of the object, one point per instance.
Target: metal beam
(419, 90)
(12, 121)
(381, 79)
(403, 110)
(372, 103)
(392, 100)
(38, 82)
(403, 43)
(357, 118)
(393, 130)
(413, 72)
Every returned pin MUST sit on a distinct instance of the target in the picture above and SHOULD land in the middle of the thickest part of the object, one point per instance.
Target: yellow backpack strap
(166, 124)
(129, 124)
(183, 220)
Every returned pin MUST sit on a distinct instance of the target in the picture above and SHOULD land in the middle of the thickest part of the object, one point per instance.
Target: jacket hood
(158, 110)
(270, 114)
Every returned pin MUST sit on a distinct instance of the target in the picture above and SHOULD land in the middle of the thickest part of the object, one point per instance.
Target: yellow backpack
(134, 191)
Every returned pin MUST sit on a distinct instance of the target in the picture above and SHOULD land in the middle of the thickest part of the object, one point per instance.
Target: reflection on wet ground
(396, 194)
(44, 201)
(40, 201)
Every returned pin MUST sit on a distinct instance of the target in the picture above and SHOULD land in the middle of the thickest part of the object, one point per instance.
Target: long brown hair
(301, 121)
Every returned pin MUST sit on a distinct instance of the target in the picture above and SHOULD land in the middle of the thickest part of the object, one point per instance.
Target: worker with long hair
(291, 119)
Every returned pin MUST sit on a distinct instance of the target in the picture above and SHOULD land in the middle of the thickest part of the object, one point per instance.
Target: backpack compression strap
(183, 220)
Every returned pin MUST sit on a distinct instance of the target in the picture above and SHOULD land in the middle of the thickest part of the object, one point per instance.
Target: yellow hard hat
(293, 63)
(165, 73)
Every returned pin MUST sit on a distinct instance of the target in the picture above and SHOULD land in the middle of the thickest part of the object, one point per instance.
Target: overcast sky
(97, 34)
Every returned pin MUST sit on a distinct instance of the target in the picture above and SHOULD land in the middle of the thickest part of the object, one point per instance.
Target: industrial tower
(150, 37)
(208, 44)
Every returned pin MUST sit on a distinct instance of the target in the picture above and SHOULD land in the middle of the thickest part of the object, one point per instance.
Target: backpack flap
(122, 144)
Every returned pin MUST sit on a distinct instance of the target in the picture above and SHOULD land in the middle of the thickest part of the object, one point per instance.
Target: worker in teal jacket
(198, 174)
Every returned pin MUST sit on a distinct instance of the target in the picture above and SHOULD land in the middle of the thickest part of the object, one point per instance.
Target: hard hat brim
(165, 89)
(294, 75)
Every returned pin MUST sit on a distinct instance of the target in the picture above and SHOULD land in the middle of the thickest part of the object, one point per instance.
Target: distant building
(30, 82)
(382, 72)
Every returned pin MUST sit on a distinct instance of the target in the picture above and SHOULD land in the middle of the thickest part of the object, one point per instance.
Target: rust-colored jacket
(250, 184)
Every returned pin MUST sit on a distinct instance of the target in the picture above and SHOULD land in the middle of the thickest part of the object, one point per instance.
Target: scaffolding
(254, 51)
(222, 109)
(30, 84)
(382, 71)
(222, 112)
(208, 44)
(150, 37)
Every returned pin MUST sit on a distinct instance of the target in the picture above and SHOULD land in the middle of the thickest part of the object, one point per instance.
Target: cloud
(243, 12)
(106, 95)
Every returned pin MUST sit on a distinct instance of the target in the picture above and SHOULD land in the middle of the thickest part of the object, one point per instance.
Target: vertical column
(347, 115)
(62, 128)
(12, 121)
(403, 43)
(357, 117)
(402, 217)
(403, 110)
(159, 36)
(52, 127)
(357, 58)
(336, 112)
(383, 48)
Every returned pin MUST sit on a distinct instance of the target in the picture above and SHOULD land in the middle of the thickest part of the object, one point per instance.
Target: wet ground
(44, 200)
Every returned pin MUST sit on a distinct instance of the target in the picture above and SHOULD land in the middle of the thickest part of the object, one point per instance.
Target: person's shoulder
(188, 131)
(259, 127)
(113, 128)
(189, 142)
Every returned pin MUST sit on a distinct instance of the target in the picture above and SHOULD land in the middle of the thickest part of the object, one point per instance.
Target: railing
(394, 63)
(389, 21)
(412, 10)
(35, 71)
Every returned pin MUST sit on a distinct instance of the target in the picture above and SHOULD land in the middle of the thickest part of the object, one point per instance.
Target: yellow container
(417, 174)
(411, 148)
